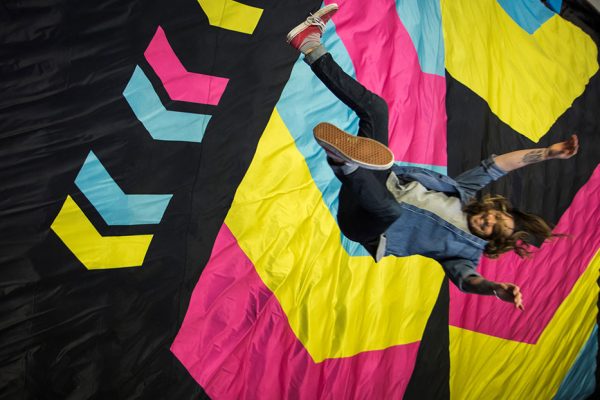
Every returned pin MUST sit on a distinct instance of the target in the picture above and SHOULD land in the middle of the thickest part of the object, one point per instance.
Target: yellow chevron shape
(527, 80)
(232, 15)
(92, 249)
(337, 305)
(486, 367)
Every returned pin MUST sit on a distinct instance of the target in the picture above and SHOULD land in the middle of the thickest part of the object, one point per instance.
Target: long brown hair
(529, 228)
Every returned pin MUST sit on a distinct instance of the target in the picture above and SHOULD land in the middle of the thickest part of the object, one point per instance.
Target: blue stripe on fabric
(529, 14)
(161, 123)
(304, 103)
(436, 168)
(580, 381)
(554, 5)
(423, 21)
(113, 205)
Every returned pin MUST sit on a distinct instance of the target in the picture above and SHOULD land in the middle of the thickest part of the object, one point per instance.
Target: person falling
(403, 211)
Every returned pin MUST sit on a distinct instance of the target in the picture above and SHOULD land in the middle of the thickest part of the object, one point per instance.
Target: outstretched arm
(508, 292)
(520, 158)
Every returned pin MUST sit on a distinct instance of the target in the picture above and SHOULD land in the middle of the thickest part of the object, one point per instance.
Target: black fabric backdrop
(72, 333)
(67, 332)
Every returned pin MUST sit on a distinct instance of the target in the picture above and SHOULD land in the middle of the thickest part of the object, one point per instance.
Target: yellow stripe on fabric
(337, 305)
(486, 367)
(527, 80)
(232, 15)
(92, 249)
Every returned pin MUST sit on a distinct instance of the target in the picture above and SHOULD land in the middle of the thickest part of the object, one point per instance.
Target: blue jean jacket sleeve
(475, 179)
(458, 270)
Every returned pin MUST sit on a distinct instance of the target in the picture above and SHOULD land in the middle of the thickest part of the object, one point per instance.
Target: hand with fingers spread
(510, 293)
(564, 150)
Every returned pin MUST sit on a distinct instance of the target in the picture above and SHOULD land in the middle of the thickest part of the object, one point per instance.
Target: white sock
(310, 42)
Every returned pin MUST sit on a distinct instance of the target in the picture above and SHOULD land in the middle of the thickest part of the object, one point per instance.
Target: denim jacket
(418, 231)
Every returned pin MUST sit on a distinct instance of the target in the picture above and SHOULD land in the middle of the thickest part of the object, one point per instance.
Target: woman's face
(484, 223)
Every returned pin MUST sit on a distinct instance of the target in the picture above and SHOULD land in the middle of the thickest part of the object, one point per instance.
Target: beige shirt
(446, 207)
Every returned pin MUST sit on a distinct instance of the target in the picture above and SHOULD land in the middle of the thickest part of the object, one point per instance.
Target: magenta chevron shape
(179, 83)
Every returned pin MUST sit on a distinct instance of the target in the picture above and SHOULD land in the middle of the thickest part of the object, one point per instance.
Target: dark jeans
(366, 207)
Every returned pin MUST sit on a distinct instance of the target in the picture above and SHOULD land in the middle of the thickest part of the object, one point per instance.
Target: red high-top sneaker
(307, 35)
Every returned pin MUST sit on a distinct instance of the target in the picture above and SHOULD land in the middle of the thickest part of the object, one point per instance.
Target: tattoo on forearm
(534, 156)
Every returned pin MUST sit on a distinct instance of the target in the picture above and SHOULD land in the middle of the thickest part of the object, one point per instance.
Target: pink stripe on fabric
(236, 343)
(178, 82)
(386, 62)
(545, 280)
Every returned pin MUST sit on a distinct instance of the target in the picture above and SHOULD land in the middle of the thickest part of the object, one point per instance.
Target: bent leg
(366, 207)
(356, 223)
(370, 108)
(369, 189)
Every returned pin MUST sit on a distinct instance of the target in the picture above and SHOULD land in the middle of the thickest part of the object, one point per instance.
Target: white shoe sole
(303, 25)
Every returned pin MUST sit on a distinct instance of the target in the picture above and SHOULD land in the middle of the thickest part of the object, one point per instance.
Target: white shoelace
(317, 21)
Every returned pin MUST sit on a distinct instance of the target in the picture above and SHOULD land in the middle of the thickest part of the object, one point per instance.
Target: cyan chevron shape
(162, 124)
(113, 205)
